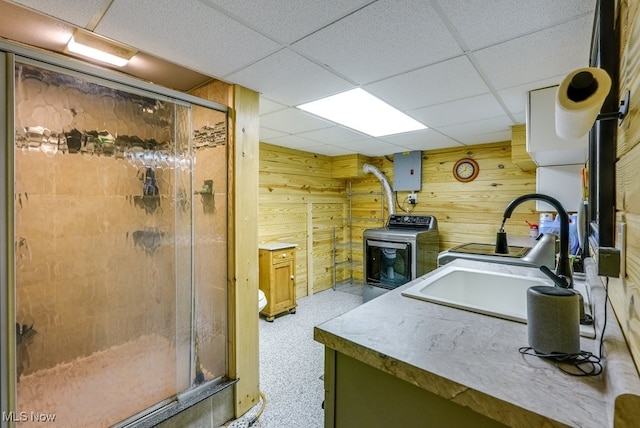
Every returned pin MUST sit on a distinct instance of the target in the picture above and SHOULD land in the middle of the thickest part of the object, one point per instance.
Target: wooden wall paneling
(472, 212)
(242, 133)
(243, 237)
(629, 132)
(627, 181)
(465, 211)
(215, 90)
(298, 186)
(368, 211)
(281, 216)
(326, 219)
(285, 161)
(309, 253)
(519, 154)
(626, 12)
(293, 189)
(349, 166)
(625, 291)
(287, 222)
(343, 248)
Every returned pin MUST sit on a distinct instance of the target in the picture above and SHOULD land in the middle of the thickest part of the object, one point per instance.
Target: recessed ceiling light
(95, 47)
(359, 110)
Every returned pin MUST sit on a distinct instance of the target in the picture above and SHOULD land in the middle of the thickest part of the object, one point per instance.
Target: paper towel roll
(579, 100)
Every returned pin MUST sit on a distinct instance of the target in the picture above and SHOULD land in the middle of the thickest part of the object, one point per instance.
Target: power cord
(576, 362)
(582, 363)
(402, 207)
(264, 403)
(246, 421)
(604, 319)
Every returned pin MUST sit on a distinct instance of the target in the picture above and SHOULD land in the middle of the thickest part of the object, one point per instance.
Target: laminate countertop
(473, 359)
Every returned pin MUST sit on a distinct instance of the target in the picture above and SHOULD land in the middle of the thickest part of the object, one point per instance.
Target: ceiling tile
(330, 150)
(268, 106)
(288, 20)
(292, 141)
(372, 147)
(197, 36)
(520, 117)
(515, 98)
(293, 121)
(295, 51)
(471, 132)
(77, 12)
(383, 39)
(485, 23)
(423, 87)
(288, 78)
(536, 56)
(267, 134)
(425, 139)
(487, 137)
(334, 135)
(460, 111)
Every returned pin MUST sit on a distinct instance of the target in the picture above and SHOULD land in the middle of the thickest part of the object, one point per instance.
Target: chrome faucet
(563, 267)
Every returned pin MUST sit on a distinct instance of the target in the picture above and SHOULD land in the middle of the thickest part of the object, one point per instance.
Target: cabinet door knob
(292, 277)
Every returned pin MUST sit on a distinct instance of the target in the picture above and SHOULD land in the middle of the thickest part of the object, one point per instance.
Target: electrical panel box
(407, 171)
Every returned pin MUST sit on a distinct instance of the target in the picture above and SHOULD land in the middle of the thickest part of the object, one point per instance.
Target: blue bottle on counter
(574, 243)
(549, 224)
(546, 224)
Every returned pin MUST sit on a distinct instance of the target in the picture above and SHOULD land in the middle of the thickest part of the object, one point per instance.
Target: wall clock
(466, 170)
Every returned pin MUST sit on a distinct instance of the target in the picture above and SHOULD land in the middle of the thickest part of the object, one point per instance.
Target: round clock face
(466, 170)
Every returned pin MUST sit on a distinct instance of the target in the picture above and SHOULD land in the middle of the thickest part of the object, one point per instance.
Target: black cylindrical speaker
(553, 320)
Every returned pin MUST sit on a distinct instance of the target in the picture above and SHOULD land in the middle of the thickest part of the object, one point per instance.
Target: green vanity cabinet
(359, 395)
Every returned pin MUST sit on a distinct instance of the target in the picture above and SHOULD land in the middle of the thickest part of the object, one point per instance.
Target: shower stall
(115, 293)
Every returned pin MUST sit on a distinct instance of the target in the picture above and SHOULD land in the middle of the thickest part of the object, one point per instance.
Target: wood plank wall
(466, 212)
(625, 291)
(301, 203)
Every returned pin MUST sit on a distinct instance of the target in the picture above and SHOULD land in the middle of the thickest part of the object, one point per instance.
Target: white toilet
(262, 300)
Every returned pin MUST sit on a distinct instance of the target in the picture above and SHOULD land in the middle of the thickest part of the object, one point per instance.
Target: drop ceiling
(461, 67)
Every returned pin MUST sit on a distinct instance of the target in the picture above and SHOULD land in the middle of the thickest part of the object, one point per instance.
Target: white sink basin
(496, 294)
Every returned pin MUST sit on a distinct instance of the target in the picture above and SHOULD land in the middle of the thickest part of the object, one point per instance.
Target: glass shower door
(117, 311)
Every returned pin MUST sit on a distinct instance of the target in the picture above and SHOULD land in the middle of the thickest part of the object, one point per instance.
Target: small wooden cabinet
(277, 278)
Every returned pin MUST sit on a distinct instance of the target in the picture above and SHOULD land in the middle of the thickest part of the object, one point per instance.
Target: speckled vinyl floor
(291, 362)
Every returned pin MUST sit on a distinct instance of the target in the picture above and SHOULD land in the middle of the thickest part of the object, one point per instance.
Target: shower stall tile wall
(120, 247)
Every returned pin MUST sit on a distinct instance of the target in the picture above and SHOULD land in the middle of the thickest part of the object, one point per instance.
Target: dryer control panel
(422, 222)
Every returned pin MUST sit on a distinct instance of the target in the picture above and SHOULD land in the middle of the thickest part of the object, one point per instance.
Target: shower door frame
(10, 54)
(8, 335)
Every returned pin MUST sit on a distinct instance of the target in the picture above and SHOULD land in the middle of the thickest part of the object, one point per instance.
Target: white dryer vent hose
(370, 169)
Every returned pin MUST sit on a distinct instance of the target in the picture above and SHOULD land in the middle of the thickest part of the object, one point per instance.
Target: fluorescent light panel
(359, 110)
(95, 47)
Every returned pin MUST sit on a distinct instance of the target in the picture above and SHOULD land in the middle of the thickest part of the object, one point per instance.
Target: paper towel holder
(583, 92)
(622, 111)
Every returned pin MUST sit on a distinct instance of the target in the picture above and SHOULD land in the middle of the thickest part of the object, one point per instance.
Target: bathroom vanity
(396, 360)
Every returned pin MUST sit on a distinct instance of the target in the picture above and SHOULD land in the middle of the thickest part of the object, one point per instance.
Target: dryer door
(388, 263)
